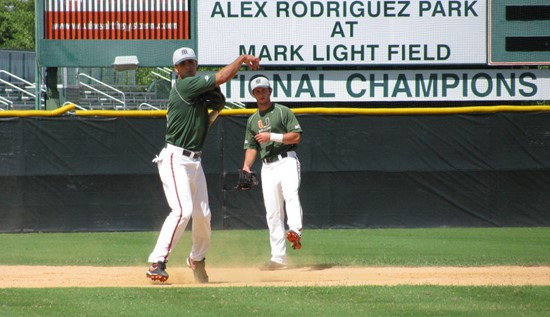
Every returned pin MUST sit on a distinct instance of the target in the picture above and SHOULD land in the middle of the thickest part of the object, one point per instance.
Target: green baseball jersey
(187, 116)
(276, 119)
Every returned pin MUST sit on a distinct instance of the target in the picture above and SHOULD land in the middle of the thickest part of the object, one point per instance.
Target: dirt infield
(91, 276)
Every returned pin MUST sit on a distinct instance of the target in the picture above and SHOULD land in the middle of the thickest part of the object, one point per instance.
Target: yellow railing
(335, 111)
(38, 113)
(400, 111)
(323, 111)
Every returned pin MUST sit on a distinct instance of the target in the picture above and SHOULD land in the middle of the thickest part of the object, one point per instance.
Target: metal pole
(37, 75)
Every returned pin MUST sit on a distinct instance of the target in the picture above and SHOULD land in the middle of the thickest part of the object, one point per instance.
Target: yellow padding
(37, 113)
(399, 111)
(426, 110)
(320, 111)
(333, 111)
(121, 113)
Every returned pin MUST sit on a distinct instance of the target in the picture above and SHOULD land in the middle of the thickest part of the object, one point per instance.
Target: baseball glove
(247, 180)
(214, 99)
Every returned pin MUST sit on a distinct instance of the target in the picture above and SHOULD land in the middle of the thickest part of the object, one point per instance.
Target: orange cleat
(157, 272)
(294, 239)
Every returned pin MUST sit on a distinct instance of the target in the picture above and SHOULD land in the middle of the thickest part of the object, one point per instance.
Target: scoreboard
(519, 32)
(384, 33)
(92, 33)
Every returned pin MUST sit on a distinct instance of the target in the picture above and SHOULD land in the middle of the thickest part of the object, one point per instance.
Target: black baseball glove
(214, 99)
(247, 180)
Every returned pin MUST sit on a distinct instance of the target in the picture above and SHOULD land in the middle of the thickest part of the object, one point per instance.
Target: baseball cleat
(159, 278)
(157, 272)
(273, 266)
(294, 239)
(199, 270)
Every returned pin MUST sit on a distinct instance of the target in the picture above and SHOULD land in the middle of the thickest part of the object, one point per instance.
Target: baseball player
(274, 131)
(179, 162)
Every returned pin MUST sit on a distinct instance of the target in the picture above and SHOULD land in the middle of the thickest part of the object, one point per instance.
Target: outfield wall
(95, 173)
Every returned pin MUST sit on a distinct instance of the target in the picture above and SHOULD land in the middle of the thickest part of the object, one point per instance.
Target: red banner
(116, 20)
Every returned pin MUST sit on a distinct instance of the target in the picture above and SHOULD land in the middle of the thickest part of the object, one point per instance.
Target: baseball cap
(259, 82)
(183, 54)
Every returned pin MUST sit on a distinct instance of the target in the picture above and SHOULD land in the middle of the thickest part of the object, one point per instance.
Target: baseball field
(368, 272)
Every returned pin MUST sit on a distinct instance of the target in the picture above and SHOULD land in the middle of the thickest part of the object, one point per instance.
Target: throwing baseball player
(274, 131)
(179, 162)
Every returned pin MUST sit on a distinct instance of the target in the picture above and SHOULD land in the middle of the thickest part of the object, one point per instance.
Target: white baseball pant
(185, 188)
(280, 185)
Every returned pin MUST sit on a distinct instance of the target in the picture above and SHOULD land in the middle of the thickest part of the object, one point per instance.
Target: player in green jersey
(274, 131)
(179, 162)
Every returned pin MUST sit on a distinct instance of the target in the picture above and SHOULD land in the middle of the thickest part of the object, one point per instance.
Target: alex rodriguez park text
(355, 9)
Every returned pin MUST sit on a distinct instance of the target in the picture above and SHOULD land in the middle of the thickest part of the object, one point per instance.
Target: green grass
(277, 301)
(370, 247)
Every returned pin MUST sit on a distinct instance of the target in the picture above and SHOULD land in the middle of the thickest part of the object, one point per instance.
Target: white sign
(396, 85)
(352, 32)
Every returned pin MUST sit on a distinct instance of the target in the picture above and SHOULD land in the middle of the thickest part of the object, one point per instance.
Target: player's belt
(279, 157)
(182, 151)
